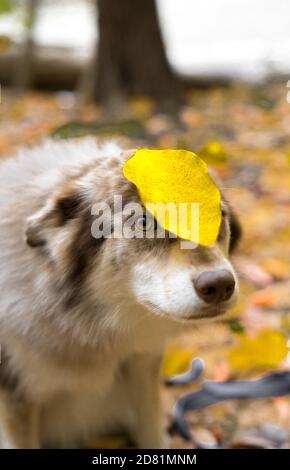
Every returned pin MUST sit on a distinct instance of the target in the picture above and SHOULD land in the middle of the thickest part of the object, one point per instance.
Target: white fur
(85, 373)
(171, 290)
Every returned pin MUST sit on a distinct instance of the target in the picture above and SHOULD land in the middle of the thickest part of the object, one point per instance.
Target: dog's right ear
(33, 234)
(58, 211)
(38, 224)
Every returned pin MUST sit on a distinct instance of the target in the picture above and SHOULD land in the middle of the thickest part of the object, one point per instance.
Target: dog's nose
(215, 286)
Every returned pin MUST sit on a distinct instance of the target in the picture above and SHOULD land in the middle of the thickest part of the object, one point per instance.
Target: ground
(244, 133)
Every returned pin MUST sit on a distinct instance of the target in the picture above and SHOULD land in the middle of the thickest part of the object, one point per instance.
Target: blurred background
(221, 38)
(212, 76)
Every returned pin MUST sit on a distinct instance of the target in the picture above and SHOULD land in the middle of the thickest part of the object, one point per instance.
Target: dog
(84, 320)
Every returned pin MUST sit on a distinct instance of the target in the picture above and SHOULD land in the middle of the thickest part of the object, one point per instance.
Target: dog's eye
(144, 223)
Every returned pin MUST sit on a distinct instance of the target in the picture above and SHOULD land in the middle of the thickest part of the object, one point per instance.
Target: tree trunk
(131, 58)
(23, 75)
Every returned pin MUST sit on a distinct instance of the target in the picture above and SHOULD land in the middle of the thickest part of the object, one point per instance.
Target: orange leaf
(264, 298)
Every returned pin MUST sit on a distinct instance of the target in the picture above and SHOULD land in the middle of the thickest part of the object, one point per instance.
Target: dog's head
(106, 268)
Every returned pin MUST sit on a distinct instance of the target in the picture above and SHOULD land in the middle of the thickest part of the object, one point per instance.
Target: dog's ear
(58, 211)
(235, 231)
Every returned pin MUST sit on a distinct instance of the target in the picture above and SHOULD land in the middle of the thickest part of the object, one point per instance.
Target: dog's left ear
(235, 230)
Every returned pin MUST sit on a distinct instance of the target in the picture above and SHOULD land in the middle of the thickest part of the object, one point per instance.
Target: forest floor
(244, 133)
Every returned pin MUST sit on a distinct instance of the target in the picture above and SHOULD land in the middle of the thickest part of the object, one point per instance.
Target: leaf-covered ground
(244, 133)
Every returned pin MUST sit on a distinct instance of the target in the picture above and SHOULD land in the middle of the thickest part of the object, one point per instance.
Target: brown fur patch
(80, 258)
(235, 226)
(9, 379)
(33, 239)
(68, 207)
(115, 163)
(235, 229)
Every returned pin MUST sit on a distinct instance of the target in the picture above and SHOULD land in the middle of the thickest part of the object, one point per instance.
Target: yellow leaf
(142, 107)
(277, 267)
(169, 183)
(265, 351)
(214, 150)
(176, 361)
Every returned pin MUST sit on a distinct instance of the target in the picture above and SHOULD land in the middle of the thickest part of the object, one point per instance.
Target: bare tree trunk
(23, 73)
(131, 58)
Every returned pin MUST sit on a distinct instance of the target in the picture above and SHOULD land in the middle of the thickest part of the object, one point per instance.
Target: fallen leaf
(215, 151)
(141, 107)
(277, 267)
(176, 361)
(263, 298)
(265, 351)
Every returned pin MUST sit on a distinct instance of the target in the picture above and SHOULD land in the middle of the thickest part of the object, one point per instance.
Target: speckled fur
(83, 322)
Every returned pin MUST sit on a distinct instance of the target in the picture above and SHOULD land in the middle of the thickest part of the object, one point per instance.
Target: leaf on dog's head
(177, 180)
